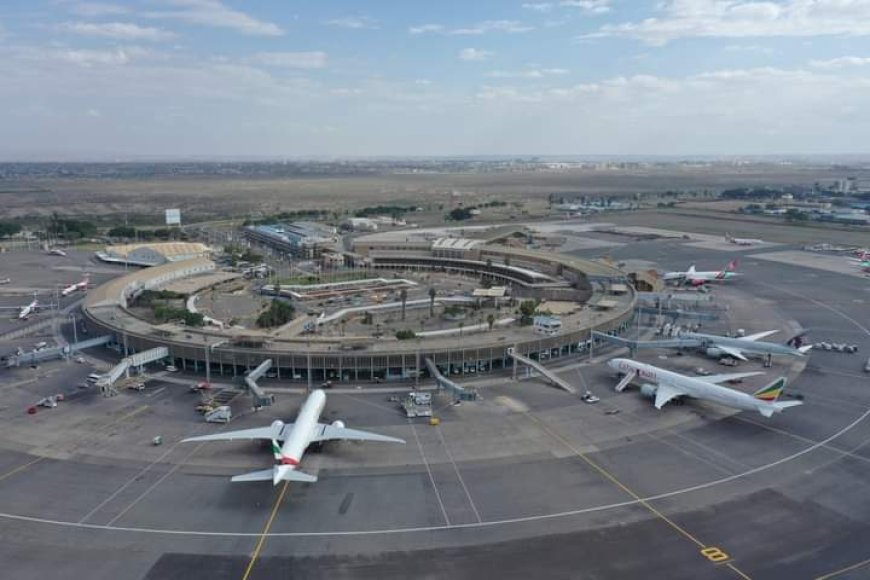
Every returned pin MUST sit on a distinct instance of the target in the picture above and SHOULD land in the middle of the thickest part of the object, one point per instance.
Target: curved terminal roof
(167, 249)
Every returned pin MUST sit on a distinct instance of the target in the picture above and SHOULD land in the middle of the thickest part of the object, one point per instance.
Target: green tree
(8, 228)
(432, 294)
(405, 334)
(527, 310)
(490, 320)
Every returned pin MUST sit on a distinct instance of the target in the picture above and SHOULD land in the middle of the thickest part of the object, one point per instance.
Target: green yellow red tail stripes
(771, 392)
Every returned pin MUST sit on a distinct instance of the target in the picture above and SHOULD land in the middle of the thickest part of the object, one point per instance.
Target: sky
(295, 78)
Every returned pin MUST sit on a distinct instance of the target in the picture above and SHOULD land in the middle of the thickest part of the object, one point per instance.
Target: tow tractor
(589, 398)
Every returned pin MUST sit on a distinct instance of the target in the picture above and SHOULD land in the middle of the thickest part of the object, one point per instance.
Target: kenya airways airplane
(742, 241)
(83, 285)
(695, 278)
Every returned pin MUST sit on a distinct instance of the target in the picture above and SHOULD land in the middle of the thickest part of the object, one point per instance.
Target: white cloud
(95, 113)
(538, 6)
(424, 28)
(119, 31)
(475, 54)
(354, 22)
(303, 60)
(423, 82)
(588, 6)
(531, 73)
(749, 48)
(97, 9)
(509, 26)
(841, 62)
(215, 14)
(88, 58)
(747, 18)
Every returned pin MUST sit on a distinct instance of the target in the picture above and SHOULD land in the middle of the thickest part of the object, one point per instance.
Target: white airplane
(295, 438)
(56, 252)
(695, 278)
(26, 311)
(5, 280)
(83, 285)
(716, 346)
(667, 385)
(742, 241)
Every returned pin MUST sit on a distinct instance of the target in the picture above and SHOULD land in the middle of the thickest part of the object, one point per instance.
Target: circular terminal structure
(342, 329)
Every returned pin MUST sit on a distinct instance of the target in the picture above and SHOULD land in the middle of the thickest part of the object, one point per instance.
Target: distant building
(156, 254)
(356, 224)
(305, 240)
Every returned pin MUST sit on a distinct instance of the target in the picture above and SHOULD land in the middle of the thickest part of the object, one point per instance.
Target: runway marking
(429, 471)
(705, 548)
(803, 439)
(458, 475)
(39, 459)
(155, 484)
(851, 568)
(21, 468)
(256, 554)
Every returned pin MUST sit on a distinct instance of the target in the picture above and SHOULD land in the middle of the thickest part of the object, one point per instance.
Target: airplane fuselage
(743, 344)
(304, 429)
(692, 387)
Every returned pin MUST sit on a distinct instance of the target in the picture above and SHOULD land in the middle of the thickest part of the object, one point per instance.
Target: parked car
(171, 368)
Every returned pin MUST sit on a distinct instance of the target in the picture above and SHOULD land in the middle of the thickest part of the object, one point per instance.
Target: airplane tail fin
(771, 392)
(276, 450)
(805, 349)
(732, 265)
(691, 269)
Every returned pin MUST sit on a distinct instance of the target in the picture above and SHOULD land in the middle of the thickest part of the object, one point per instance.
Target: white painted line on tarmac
(458, 475)
(431, 477)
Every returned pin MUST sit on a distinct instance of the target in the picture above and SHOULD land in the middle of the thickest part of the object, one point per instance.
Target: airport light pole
(72, 317)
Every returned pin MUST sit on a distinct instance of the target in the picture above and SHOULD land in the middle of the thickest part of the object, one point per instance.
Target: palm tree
(403, 296)
(461, 326)
(490, 320)
(431, 301)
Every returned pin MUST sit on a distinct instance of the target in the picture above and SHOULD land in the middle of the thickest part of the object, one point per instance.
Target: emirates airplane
(294, 439)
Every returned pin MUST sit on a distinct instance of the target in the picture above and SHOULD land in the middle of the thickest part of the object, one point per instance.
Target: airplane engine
(714, 352)
(647, 390)
(277, 424)
(338, 424)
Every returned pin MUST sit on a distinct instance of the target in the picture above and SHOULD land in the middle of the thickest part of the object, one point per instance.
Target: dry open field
(212, 197)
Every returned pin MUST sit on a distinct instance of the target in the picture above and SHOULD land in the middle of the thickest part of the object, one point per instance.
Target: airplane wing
(269, 432)
(731, 351)
(760, 335)
(716, 379)
(665, 393)
(331, 433)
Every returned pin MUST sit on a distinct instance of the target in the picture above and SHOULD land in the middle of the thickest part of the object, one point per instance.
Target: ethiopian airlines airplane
(695, 278)
(290, 440)
(667, 385)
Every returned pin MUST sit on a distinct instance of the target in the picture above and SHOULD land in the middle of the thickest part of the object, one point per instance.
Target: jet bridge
(462, 393)
(261, 399)
(36, 356)
(137, 361)
(547, 374)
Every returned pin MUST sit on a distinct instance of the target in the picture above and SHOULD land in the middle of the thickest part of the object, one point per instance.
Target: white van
(94, 377)
(171, 368)
(40, 345)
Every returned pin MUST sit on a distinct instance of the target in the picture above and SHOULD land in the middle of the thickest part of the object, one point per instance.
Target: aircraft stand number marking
(714, 554)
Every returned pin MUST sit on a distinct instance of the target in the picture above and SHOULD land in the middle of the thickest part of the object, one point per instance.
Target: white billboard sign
(173, 217)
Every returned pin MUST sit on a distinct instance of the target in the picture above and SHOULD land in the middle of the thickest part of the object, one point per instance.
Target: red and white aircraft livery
(26, 311)
(695, 278)
(295, 439)
(83, 285)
